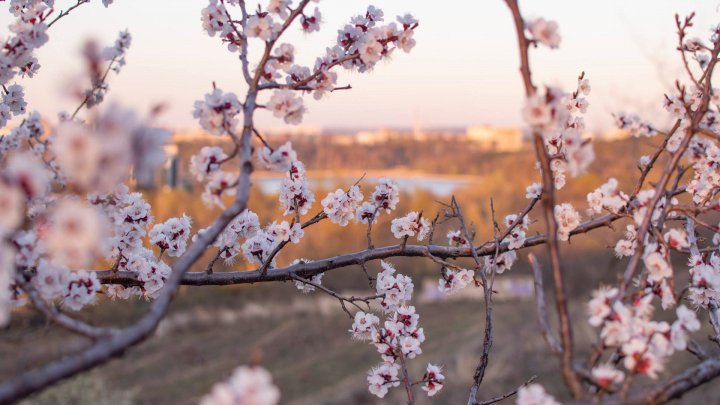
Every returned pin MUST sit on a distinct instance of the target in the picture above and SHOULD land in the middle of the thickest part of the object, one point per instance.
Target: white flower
(308, 288)
(75, 232)
(214, 19)
(284, 104)
(363, 325)
(455, 281)
(546, 32)
(340, 206)
(533, 191)
(12, 207)
(410, 225)
(396, 289)
(219, 183)
(246, 386)
(261, 27)
(171, 236)
(599, 306)
(14, 99)
(433, 380)
(537, 112)
(624, 248)
(386, 195)
(371, 50)
(280, 159)
(122, 43)
(504, 262)
(206, 162)
(26, 171)
(51, 281)
(658, 268)
(217, 112)
(567, 218)
(456, 238)
(78, 152)
(311, 23)
(608, 197)
(676, 239)
(641, 360)
(81, 289)
(687, 322)
(534, 394)
(606, 375)
(381, 378)
(295, 193)
(279, 7)
(366, 213)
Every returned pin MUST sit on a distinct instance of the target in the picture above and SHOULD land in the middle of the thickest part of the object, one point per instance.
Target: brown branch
(63, 13)
(543, 319)
(487, 296)
(357, 258)
(507, 395)
(95, 87)
(548, 199)
(677, 386)
(58, 317)
(406, 378)
(352, 300)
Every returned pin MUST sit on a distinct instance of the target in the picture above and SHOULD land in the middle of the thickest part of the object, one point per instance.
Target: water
(439, 186)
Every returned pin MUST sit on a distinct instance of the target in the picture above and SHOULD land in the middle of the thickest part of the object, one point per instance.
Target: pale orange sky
(462, 72)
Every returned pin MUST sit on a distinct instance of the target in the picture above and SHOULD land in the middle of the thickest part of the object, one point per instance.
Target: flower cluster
(534, 394)
(360, 45)
(148, 269)
(499, 265)
(398, 338)
(642, 343)
(171, 236)
(411, 225)
(29, 32)
(259, 248)
(246, 386)
(384, 198)
(635, 125)
(340, 205)
(295, 194)
(704, 156)
(544, 31)
(217, 112)
(607, 197)
(244, 226)
(516, 227)
(206, 162)
(626, 247)
(567, 219)
(12, 103)
(453, 281)
(704, 291)
(286, 105)
(99, 157)
(118, 50)
(557, 116)
(280, 159)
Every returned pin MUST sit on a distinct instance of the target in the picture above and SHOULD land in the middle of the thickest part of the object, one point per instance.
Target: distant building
(497, 139)
(373, 137)
(293, 130)
(615, 135)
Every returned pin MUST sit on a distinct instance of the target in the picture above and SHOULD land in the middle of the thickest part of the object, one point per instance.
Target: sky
(462, 72)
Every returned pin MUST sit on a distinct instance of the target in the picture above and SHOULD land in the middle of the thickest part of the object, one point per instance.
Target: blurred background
(441, 121)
